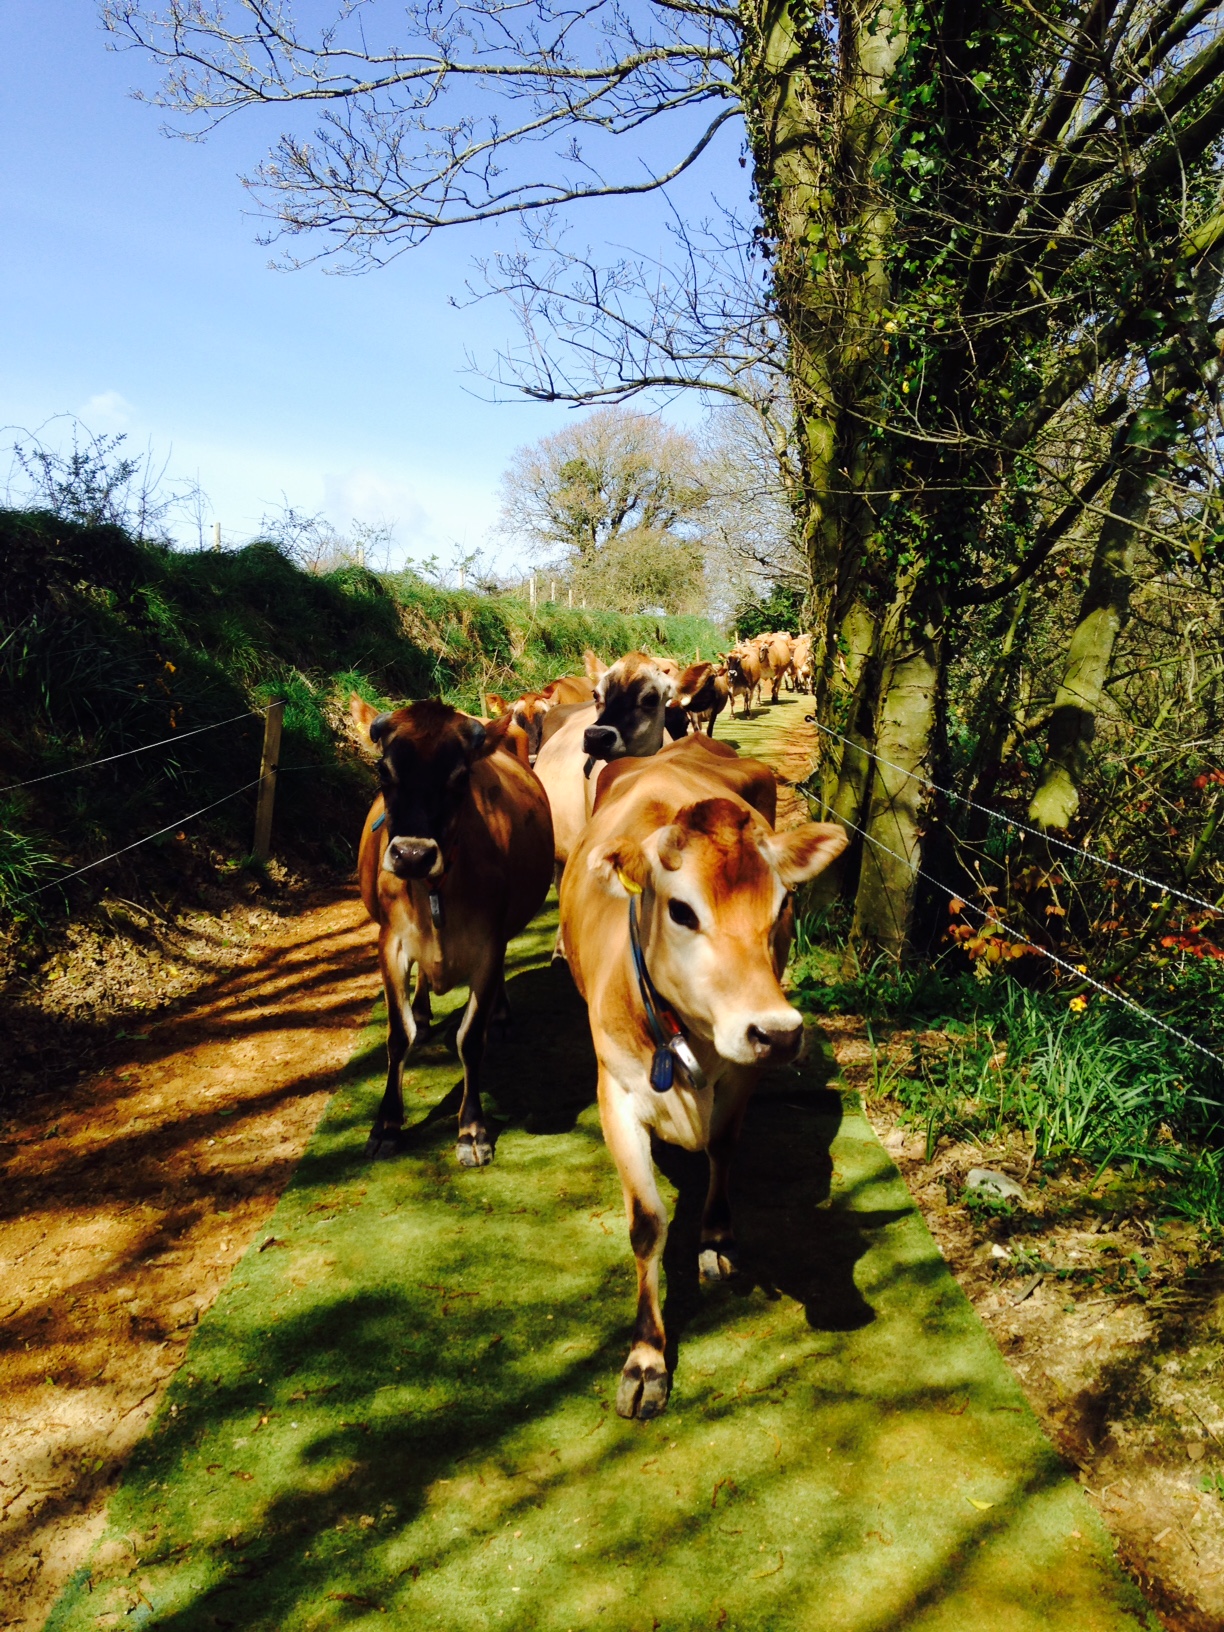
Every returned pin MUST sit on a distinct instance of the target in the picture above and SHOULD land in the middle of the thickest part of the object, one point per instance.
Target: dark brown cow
(682, 847)
(456, 858)
(704, 692)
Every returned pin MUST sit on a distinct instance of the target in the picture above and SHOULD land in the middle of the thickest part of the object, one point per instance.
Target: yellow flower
(1078, 1005)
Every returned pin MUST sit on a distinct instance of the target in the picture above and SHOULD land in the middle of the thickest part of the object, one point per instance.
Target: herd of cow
(675, 894)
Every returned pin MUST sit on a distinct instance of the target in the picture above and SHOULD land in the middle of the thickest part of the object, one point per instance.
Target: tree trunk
(906, 733)
(1103, 614)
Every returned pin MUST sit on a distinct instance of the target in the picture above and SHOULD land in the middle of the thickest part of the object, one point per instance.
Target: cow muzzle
(602, 741)
(413, 858)
(775, 1039)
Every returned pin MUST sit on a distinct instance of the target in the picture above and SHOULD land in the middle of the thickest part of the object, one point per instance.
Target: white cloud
(107, 411)
(431, 516)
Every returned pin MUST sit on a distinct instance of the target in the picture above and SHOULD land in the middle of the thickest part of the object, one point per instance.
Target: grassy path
(399, 1412)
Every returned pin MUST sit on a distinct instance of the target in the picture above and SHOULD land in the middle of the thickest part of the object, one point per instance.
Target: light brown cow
(532, 709)
(682, 846)
(776, 651)
(627, 717)
(455, 859)
(704, 692)
(744, 674)
(801, 663)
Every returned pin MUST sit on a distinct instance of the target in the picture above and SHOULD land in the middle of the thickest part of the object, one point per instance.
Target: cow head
(427, 752)
(694, 678)
(631, 698)
(716, 919)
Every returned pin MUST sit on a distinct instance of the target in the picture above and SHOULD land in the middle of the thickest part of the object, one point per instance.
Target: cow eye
(650, 699)
(681, 913)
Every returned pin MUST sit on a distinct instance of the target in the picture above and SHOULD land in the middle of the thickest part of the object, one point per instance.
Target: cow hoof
(474, 1150)
(720, 1261)
(384, 1143)
(642, 1392)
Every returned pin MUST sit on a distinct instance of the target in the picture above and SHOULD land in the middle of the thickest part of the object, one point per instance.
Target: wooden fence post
(273, 720)
(216, 535)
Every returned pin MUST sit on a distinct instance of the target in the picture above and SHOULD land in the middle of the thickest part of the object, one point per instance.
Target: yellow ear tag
(633, 889)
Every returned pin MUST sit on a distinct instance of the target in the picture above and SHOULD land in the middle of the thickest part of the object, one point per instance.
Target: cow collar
(671, 1045)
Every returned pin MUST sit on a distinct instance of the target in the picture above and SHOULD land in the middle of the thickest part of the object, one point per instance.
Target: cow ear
(497, 704)
(804, 851)
(595, 670)
(361, 713)
(670, 845)
(621, 867)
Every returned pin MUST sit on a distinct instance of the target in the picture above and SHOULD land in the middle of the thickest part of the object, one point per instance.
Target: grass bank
(108, 644)
(1083, 1079)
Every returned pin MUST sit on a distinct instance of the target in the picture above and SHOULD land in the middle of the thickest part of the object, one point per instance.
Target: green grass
(107, 644)
(1100, 1084)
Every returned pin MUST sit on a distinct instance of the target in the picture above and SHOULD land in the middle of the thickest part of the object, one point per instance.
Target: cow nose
(601, 741)
(777, 1040)
(412, 858)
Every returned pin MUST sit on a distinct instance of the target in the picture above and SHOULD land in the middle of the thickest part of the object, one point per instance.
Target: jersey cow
(676, 917)
(627, 717)
(456, 858)
(776, 653)
(530, 712)
(704, 690)
(744, 675)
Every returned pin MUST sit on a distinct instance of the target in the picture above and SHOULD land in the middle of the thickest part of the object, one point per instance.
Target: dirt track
(120, 1222)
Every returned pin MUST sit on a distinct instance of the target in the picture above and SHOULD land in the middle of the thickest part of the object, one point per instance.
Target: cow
(801, 663)
(776, 652)
(627, 717)
(704, 691)
(744, 674)
(531, 711)
(681, 856)
(456, 858)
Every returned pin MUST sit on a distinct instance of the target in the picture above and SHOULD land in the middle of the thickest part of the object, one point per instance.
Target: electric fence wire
(136, 843)
(251, 714)
(1012, 821)
(1015, 934)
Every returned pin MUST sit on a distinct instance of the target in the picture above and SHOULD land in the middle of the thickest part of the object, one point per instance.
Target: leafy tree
(973, 222)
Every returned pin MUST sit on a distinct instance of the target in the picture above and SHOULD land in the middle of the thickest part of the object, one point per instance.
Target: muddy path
(121, 1220)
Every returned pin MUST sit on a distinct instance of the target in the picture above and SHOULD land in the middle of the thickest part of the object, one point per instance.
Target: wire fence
(1022, 827)
(1081, 974)
(107, 759)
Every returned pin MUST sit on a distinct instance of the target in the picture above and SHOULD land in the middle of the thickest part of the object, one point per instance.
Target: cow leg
(718, 1255)
(387, 1134)
(644, 1383)
(501, 1020)
(475, 1149)
(421, 1011)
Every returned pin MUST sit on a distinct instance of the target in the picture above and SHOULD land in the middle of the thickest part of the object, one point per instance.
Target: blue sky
(137, 297)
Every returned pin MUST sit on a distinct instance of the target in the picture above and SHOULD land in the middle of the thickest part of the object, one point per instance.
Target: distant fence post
(216, 535)
(571, 597)
(273, 720)
(533, 592)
